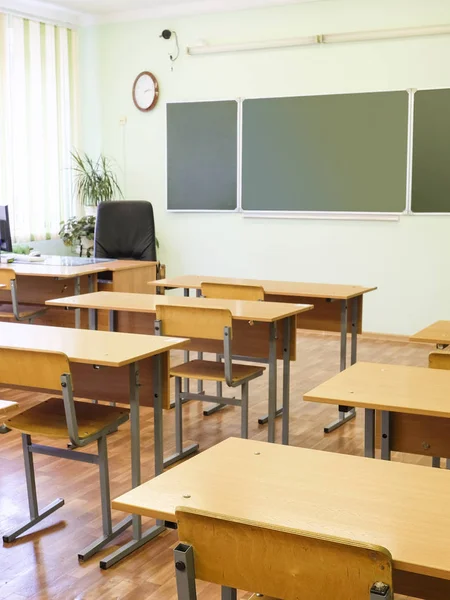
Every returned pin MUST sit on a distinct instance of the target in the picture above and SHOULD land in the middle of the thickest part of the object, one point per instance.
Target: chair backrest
(281, 562)
(6, 277)
(194, 321)
(439, 360)
(125, 229)
(232, 291)
(33, 369)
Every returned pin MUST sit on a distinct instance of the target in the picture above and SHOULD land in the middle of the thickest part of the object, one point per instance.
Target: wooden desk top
(278, 288)
(438, 333)
(395, 388)
(401, 507)
(7, 407)
(40, 269)
(240, 309)
(103, 348)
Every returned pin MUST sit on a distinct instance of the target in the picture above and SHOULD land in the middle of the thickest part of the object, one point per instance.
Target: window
(37, 125)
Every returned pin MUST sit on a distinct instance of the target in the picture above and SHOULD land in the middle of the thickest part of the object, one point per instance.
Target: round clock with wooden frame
(145, 91)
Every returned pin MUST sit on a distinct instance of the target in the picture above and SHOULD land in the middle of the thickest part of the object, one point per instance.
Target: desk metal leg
(93, 319)
(77, 290)
(219, 393)
(158, 413)
(369, 433)
(272, 382)
(200, 354)
(346, 413)
(436, 462)
(385, 435)
(229, 593)
(112, 320)
(139, 539)
(287, 332)
(93, 325)
(186, 383)
(354, 331)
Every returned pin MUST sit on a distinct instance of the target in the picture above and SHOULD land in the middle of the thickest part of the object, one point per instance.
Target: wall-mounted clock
(145, 91)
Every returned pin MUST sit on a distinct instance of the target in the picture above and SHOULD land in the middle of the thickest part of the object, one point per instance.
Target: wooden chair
(232, 291)
(59, 418)
(278, 562)
(212, 324)
(439, 360)
(19, 312)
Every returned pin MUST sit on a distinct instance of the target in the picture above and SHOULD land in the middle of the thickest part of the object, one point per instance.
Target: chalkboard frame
(237, 209)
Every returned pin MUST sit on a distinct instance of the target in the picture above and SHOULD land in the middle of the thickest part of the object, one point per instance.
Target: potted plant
(78, 233)
(95, 180)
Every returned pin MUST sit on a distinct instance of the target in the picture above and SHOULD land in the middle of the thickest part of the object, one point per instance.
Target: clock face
(145, 91)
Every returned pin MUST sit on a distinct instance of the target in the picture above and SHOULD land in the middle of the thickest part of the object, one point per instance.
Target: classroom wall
(409, 260)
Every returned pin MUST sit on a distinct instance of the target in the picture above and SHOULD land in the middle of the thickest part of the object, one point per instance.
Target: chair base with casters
(204, 370)
(61, 418)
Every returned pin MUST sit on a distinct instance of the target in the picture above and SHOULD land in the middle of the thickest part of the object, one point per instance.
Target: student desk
(336, 308)
(438, 333)
(414, 404)
(401, 507)
(120, 367)
(41, 281)
(260, 329)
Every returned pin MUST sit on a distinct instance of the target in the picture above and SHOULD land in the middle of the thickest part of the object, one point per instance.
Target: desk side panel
(112, 384)
(37, 290)
(417, 434)
(325, 316)
(250, 340)
(421, 586)
(132, 281)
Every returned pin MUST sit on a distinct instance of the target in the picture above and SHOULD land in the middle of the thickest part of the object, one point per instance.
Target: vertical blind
(38, 125)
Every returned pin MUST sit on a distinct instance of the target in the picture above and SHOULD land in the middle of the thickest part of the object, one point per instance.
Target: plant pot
(90, 211)
(86, 248)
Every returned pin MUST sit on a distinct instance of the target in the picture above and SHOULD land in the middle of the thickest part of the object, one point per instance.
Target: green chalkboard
(202, 156)
(431, 152)
(326, 153)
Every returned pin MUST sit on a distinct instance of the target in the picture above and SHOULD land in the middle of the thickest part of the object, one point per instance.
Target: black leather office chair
(125, 229)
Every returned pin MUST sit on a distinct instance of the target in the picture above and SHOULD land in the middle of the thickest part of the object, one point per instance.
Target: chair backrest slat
(280, 562)
(33, 369)
(6, 276)
(232, 291)
(193, 321)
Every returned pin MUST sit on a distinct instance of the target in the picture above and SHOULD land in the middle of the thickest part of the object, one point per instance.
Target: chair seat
(25, 310)
(49, 419)
(214, 371)
(6, 407)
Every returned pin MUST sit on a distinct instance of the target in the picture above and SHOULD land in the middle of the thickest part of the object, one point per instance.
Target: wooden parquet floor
(43, 565)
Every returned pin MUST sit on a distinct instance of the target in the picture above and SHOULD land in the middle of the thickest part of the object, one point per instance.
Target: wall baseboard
(369, 335)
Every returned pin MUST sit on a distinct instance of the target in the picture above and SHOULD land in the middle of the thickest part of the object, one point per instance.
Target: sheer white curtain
(37, 125)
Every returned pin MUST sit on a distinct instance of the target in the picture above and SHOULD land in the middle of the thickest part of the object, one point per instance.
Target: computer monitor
(5, 231)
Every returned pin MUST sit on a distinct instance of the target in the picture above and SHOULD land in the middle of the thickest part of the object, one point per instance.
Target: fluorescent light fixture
(249, 46)
(387, 34)
(329, 38)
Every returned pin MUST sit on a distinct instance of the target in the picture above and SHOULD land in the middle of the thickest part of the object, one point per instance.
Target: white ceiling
(87, 11)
